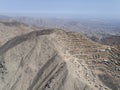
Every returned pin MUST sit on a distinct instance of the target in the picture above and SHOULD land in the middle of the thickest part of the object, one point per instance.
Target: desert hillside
(53, 59)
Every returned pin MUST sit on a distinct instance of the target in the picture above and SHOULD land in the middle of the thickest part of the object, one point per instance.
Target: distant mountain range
(95, 29)
(85, 26)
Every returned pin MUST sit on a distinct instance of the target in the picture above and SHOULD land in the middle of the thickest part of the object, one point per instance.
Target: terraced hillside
(89, 60)
(53, 59)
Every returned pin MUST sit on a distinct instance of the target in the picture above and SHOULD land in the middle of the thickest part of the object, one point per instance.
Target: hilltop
(53, 59)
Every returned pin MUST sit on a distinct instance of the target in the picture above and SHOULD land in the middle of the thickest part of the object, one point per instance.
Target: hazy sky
(98, 8)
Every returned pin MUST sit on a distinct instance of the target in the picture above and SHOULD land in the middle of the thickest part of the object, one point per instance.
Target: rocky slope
(53, 59)
(30, 62)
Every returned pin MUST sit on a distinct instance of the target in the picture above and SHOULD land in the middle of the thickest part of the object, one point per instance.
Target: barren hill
(53, 59)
